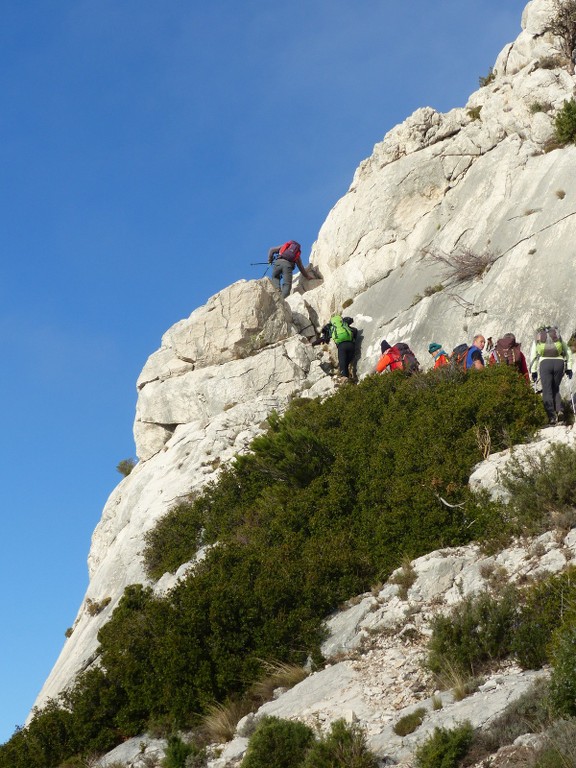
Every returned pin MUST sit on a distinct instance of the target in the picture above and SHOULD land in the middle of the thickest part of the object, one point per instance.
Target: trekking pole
(572, 396)
(256, 263)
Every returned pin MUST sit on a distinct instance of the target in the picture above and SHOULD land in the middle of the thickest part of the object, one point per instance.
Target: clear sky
(150, 150)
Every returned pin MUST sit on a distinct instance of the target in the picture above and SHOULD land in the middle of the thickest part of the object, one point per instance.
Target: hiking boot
(552, 421)
(560, 415)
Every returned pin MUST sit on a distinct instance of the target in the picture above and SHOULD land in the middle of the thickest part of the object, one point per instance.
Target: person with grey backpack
(550, 359)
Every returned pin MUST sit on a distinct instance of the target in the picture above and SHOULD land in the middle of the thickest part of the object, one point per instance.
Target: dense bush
(169, 544)
(479, 630)
(278, 744)
(445, 747)
(327, 502)
(177, 752)
(286, 744)
(543, 489)
(545, 607)
(518, 623)
(563, 681)
(343, 747)
(565, 123)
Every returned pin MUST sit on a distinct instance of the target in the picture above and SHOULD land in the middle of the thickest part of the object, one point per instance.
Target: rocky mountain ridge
(476, 181)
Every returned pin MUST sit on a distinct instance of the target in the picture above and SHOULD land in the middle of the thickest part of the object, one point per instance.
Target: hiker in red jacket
(438, 355)
(397, 358)
(387, 359)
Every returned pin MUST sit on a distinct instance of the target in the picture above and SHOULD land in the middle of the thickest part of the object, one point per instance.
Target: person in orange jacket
(438, 355)
(387, 361)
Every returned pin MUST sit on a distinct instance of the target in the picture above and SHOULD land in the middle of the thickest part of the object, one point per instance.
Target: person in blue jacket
(474, 358)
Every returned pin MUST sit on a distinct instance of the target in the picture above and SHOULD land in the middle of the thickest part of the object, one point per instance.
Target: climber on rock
(396, 358)
(340, 330)
(285, 258)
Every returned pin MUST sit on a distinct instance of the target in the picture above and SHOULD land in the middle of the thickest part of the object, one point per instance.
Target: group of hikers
(550, 357)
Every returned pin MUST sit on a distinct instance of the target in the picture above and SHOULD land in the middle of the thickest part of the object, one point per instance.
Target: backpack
(549, 342)
(459, 355)
(401, 353)
(340, 330)
(507, 350)
(290, 251)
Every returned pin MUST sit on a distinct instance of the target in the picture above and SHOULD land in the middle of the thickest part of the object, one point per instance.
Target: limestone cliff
(476, 182)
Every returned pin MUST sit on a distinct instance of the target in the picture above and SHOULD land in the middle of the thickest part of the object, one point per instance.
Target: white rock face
(476, 180)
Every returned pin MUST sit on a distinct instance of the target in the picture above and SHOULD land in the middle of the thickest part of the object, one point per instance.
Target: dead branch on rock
(462, 265)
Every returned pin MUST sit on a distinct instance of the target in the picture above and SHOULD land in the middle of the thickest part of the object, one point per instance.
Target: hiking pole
(572, 396)
(256, 263)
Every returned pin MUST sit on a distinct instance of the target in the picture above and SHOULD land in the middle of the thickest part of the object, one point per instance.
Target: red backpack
(507, 350)
(401, 353)
(290, 251)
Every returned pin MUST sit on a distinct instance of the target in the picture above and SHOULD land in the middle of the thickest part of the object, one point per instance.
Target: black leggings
(345, 356)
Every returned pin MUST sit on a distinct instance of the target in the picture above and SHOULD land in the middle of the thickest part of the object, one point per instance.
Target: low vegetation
(445, 747)
(487, 79)
(565, 123)
(330, 500)
(125, 466)
(531, 624)
(286, 744)
(409, 723)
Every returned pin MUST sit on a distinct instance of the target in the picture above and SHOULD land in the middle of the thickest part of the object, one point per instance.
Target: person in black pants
(550, 358)
(346, 348)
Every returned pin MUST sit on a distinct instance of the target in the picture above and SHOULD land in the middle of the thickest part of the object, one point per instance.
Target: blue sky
(150, 150)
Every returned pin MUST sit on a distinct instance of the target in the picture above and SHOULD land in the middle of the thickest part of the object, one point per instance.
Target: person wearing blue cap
(438, 355)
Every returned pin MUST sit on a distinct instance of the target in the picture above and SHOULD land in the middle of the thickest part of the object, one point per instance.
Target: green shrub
(445, 747)
(173, 541)
(126, 466)
(278, 744)
(563, 25)
(410, 722)
(563, 680)
(544, 608)
(343, 747)
(565, 123)
(479, 630)
(543, 489)
(490, 77)
(530, 713)
(539, 106)
(177, 752)
(559, 748)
